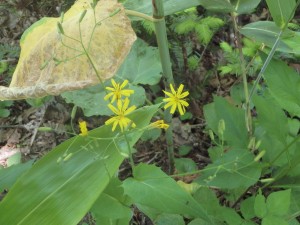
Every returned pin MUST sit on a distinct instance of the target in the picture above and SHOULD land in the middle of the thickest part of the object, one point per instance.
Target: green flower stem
(248, 117)
(162, 41)
(129, 151)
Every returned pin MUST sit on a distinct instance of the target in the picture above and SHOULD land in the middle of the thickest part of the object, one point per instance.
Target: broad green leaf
(278, 202)
(269, 111)
(281, 11)
(271, 220)
(245, 6)
(91, 99)
(70, 178)
(207, 197)
(142, 65)
(217, 5)
(51, 63)
(8, 176)
(260, 206)
(266, 32)
(235, 129)
(235, 169)
(169, 219)
(247, 208)
(238, 6)
(170, 6)
(198, 222)
(111, 206)
(284, 86)
(153, 188)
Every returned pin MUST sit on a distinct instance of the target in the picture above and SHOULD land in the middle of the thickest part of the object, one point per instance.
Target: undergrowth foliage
(252, 176)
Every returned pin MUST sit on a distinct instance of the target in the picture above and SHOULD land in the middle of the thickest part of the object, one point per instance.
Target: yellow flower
(159, 124)
(117, 92)
(83, 128)
(176, 99)
(121, 112)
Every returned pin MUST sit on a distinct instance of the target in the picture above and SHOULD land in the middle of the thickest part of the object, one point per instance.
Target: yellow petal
(173, 108)
(168, 94)
(172, 89)
(168, 105)
(115, 85)
(112, 108)
(179, 90)
(125, 82)
(184, 94)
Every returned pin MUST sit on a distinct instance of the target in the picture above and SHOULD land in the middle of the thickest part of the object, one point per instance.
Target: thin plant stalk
(162, 41)
(248, 117)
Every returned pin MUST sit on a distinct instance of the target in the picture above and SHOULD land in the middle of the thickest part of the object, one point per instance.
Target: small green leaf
(278, 203)
(185, 165)
(14, 159)
(169, 219)
(247, 208)
(271, 220)
(184, 150)
(4, 113)
(260, 206)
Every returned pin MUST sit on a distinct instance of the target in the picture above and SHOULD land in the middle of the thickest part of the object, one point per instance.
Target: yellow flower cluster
(83, 128)
(118, 93)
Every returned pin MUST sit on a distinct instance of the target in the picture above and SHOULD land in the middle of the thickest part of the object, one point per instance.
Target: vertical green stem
(248, 117)
(162, 41)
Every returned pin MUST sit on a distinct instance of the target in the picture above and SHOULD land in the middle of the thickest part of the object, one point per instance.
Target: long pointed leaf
(54, 192)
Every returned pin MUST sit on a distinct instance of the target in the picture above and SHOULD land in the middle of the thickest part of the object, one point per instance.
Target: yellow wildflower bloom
(159, 124)
(176, 99)
(83, 128)
(117, 91)
(121, 112)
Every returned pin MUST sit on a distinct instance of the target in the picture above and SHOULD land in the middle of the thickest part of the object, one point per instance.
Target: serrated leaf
(142, 65)
(153, 188)
(70, 186)
(185, 26)
(51, 63)
(204, 34)
(281, 11)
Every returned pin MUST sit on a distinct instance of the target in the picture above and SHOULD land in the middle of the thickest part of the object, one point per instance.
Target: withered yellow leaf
(51, 63)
